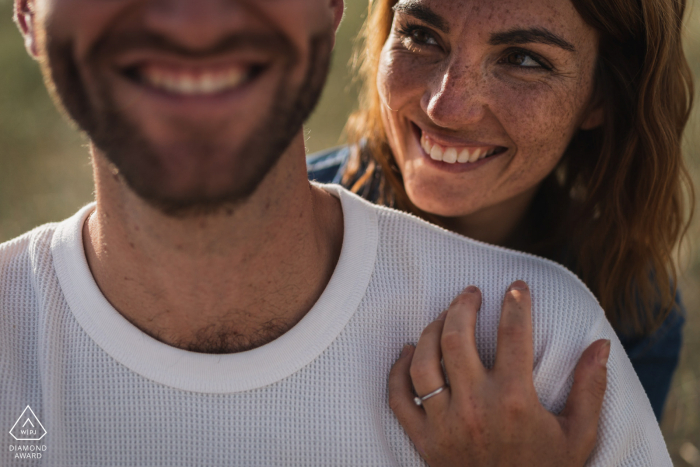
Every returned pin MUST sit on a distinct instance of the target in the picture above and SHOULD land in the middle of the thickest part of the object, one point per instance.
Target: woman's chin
(442, 207)
(435, 195)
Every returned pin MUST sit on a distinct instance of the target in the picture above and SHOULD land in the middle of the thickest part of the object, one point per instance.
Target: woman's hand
(493, 417)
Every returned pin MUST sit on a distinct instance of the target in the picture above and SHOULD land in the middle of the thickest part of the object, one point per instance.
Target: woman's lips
(449, 157)
(457, 154)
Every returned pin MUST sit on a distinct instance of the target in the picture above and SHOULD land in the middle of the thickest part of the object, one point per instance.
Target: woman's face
(480, 98)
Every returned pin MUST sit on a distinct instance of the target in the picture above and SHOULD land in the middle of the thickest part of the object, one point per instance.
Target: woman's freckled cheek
(400, 78)
(401, 82)
(537, 120)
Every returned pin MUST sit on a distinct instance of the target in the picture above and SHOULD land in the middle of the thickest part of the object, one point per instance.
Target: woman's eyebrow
(523, 36)
(423, 13)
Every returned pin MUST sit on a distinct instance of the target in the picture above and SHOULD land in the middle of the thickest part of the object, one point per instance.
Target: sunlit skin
(213, 281)
(456, 74)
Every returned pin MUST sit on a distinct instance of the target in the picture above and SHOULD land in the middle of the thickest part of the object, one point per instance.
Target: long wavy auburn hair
(620, 200)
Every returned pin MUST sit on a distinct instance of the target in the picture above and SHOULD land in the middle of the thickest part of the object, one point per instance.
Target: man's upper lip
(453, 141)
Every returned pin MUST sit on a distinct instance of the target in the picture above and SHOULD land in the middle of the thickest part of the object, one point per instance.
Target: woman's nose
(197, 25)
(458, 97)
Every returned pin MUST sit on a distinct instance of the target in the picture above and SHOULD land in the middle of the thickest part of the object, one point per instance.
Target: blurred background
(45, 176)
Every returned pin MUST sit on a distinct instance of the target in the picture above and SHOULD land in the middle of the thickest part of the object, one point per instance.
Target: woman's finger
(582, 411)
(411, 417)
(426, 369)
(514, 352)
(458, 341)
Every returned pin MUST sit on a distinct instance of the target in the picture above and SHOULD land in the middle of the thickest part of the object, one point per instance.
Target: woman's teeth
(199, 83)
(454, 154)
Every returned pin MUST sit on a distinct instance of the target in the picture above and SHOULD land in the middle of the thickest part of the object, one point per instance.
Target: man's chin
(196, 198)
(192, 204)
(225, 176)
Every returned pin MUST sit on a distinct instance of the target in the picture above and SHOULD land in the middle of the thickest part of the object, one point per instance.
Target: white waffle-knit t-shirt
(109, 395)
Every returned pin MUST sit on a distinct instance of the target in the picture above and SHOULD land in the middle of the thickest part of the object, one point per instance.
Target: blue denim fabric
(327, 166)
(654, 357)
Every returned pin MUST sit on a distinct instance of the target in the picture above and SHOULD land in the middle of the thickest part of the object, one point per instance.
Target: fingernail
(471, 289)
(441, 316)
(604, 353)
(405, 350)
(517, 285)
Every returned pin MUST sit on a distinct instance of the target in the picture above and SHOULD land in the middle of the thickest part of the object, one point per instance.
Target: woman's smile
(453, 154)
(480, 100)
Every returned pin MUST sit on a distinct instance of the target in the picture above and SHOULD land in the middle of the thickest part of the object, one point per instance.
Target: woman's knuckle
(474, 422)
(420, 370)
(469, 422)
(514, 402)
(511, 330)
(468, 413)
(452, 341)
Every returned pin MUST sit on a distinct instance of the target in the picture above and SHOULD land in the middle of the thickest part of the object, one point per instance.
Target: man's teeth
(454, 154)
(189, 84)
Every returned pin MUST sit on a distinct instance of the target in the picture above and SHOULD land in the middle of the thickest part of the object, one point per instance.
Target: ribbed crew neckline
(226, 373)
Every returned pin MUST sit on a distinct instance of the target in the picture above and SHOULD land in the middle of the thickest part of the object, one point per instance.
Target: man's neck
(216, 283)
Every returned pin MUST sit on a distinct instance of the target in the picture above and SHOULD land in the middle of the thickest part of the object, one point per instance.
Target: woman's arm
(493, 417)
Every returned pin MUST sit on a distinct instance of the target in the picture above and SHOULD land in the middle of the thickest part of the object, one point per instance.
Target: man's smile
(179, 76)
(192, 80)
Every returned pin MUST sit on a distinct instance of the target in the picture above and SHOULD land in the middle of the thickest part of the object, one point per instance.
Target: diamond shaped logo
(28, 427)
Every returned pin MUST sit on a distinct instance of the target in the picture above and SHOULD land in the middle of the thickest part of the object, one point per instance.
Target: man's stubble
(137, 162)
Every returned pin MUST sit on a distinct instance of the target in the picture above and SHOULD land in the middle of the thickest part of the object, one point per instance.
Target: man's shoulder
(26, 248)
(409, 242)
(428, 265)
(24, 262)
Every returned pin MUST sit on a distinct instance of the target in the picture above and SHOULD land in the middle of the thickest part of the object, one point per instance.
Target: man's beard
(136, 160)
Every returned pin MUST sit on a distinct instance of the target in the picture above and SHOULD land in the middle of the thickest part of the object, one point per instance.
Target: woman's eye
(421, 36)
(522, 59)
(416, 36)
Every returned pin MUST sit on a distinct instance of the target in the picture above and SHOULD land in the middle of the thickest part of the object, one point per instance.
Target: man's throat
(217, 300)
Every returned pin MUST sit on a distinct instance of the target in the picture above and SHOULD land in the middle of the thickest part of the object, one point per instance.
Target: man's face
(192, 101)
